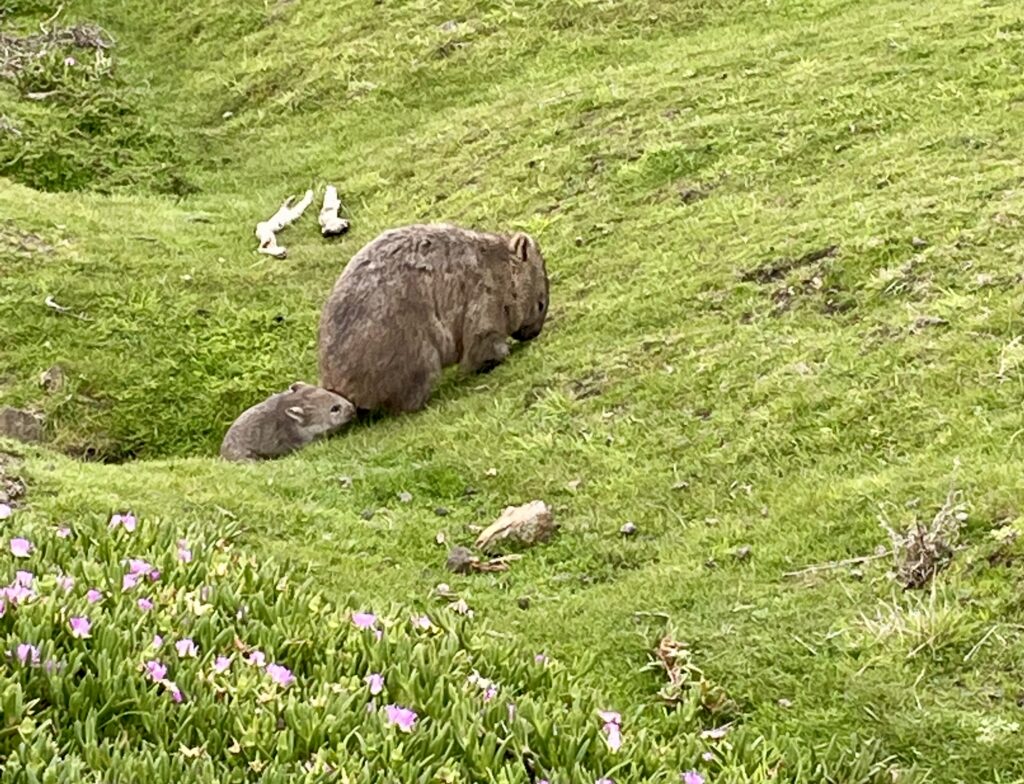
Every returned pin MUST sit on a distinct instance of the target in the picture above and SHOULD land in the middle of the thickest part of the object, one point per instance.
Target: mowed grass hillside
(786, 248)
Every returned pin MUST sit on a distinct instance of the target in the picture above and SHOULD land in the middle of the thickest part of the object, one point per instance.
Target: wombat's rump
(285, 422)
(419, 298)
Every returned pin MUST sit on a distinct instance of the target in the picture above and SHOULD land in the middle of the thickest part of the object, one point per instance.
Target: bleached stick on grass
(330, 224)
(266, 231)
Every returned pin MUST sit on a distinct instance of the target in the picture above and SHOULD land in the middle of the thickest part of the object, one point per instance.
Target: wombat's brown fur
(420, 298)
(285, 422)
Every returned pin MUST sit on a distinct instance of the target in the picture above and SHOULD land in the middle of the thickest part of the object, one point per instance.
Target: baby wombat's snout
(285, 422)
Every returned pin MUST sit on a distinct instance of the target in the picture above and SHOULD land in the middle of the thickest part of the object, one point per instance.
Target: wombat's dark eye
(335, 409)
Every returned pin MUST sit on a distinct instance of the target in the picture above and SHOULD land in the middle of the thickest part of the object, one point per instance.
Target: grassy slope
(794, 409)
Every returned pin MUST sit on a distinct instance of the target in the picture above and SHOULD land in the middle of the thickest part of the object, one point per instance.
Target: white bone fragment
(330, 224)
(266, 231)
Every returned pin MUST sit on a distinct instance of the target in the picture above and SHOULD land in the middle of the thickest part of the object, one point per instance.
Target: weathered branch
(266, 231)
(330, 224)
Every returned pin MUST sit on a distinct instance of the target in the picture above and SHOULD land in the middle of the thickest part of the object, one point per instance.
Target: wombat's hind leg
(414, 390)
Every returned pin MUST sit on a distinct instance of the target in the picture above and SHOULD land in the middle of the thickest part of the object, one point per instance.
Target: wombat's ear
(521, 244)
(296, 413)
(298, 385)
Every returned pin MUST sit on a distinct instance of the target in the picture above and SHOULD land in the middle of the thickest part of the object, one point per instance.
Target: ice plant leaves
(141, 674)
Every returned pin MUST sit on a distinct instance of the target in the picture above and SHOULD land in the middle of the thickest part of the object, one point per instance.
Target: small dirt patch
(17, 52)
(776, 269)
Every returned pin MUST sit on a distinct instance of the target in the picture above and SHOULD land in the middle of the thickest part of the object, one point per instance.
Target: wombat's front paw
(488, 366)
(499, 353)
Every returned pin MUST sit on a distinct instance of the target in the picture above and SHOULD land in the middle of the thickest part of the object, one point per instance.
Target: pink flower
(128, 582)
(186, 648)
(154, 575)
(172, 687)
(612, 728)
(280, 675)
(490, 693)
(145, 604)
(92, 596)
(20, 548)
(403, 718)
(138, 566)
(184, 553)
(66, 583)
(376, 682)
(5, 511)
(63, 532)
(257, 658)
(80, 627)
(155, 670)
(70, 62)
(221, 664)
(614, 736)
(540, 658)
(16, 594)
(24, 579)
(364, 620)
(422, 622)
(158, 641)
(128, 521)
(692, 777)
(27, 654)
(378, 634)
(604, 781)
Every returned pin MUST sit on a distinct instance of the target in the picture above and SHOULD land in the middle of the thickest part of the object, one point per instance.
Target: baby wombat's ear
(522, 245)
(296, 413)
(297, 386)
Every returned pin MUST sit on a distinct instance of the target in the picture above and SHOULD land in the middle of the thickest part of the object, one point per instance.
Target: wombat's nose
(527, 333)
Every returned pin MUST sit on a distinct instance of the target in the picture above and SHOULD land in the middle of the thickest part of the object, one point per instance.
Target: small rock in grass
(525, 525)
(345, 482)
(784, 703)
(524, 602)
(917, 242)
(21, 425)
(366, 514)
(742, 553)
(441, 511)
(628, 528)
(491, 472)
(460, 560)
(440, 537)
(52, 380)
(405, 497)
(469, 492)
(711, 563)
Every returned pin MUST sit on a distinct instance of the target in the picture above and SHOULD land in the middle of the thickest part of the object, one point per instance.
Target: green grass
(796, 409)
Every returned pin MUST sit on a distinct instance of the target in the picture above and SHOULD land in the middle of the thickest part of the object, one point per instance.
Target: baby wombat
(420, 298)
(285, 422)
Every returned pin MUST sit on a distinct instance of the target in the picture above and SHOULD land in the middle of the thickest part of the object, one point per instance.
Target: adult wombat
(420, 298)
(285, 422)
